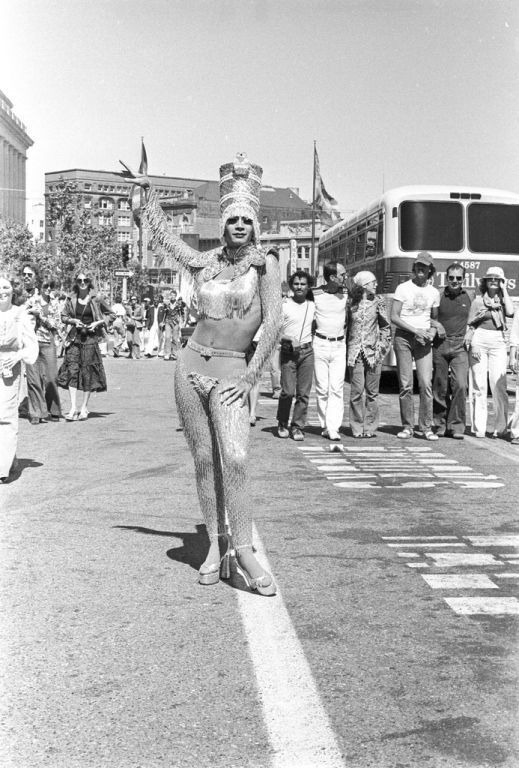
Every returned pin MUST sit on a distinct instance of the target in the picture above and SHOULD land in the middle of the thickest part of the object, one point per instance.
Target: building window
(124, 237)
(42, 224)
(123, 205)
(106, 204)
(105, 220)
(88, 187)
(123, 221)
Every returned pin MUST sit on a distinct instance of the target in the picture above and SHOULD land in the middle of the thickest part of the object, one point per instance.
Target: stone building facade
(14, 143)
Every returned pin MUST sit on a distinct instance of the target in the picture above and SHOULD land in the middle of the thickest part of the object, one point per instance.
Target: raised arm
(182, 253)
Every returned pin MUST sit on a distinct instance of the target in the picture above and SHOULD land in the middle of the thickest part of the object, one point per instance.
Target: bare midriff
(232, 333)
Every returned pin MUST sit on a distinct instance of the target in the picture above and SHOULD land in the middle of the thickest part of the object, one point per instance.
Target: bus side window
(350, 249)
(371, 243)
(360, 246)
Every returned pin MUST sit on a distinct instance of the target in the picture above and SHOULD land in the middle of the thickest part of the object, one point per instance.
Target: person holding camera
(488, 355)
(85, 315)
(296, 356)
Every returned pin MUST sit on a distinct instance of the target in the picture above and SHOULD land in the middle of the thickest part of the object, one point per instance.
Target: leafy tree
(83, 239)
(139, 282)
(16, 245)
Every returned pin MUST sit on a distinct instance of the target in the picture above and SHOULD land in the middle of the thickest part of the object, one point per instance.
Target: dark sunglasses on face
(83, 280)
(28, 274)
(453, 277)
(235, 219)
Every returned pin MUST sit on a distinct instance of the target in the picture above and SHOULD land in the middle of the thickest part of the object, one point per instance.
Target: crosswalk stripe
(468, 606)
(459, 581)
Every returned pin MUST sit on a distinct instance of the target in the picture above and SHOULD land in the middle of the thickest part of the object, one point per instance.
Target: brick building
(191, 207)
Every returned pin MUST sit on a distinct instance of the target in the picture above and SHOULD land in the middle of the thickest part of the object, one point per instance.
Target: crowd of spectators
(456, 345)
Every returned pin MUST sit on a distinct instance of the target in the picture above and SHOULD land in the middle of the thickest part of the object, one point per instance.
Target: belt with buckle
(329, 338)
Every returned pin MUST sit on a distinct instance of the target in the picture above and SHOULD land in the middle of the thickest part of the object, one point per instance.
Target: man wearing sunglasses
(450, 358)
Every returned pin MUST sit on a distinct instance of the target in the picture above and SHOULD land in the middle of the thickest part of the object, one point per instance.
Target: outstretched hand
(232, 393)
(139, 180)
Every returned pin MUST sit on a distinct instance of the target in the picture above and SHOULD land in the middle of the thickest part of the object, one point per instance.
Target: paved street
(392, 641)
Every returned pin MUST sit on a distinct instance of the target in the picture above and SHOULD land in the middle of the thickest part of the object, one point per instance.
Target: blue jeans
(450, 383)
(364, 411)
(297, 372)
(407, 349)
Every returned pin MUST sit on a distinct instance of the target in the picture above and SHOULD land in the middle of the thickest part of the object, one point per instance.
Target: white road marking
(408, 554)
(506, 575)
(454, 559)
(417, 565)
(394, 468)
(459, 581)
(419, 538)
(499, 540)
(428, 544)
(469, 606)
(298, 726)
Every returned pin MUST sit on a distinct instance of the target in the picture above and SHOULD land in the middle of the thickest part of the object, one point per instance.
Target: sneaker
(430, 435)
(515, 441)
(458, 436)
(405, 434)
(282, 431)
(480, 434)
(334, 436)
(276, 394)
(297, 434)
(324, 433)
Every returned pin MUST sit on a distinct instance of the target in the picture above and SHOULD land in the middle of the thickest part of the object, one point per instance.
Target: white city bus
(476, 227)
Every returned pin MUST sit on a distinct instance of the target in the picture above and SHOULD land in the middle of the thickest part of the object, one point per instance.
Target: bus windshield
(493, 228)
(431, 226)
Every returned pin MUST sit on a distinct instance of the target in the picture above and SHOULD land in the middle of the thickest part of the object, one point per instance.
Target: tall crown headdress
(240, 186)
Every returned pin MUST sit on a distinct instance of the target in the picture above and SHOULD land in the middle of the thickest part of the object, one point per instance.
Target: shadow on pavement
(194, 545)
(22, 464)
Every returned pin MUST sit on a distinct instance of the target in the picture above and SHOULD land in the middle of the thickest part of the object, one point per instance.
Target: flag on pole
(143, 167)
(324, 203)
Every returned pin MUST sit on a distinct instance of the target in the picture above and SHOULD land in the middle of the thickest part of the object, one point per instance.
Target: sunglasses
(83, 280)
(28, 274)
(452, 277)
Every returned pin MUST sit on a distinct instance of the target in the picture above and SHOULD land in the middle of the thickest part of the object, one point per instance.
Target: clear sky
(393, 91)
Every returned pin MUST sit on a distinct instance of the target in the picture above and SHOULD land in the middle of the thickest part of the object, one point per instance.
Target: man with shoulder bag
(296, 357)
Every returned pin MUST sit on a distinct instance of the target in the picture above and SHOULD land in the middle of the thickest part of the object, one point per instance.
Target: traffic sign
(123, 273)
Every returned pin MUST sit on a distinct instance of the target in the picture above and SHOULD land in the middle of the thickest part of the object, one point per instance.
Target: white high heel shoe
(211, 574)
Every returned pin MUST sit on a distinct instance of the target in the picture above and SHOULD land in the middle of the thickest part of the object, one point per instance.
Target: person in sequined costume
(237, 289)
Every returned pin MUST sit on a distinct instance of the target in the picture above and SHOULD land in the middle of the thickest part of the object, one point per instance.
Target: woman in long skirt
(82, 370)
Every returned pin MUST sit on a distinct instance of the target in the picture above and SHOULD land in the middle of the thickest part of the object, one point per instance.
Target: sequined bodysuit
(229, 308)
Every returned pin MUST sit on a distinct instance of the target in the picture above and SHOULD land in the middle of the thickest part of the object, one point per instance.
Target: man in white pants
(514, 365)
(330, 349)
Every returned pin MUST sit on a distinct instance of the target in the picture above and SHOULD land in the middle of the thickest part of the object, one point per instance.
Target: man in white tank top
(330, 349)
